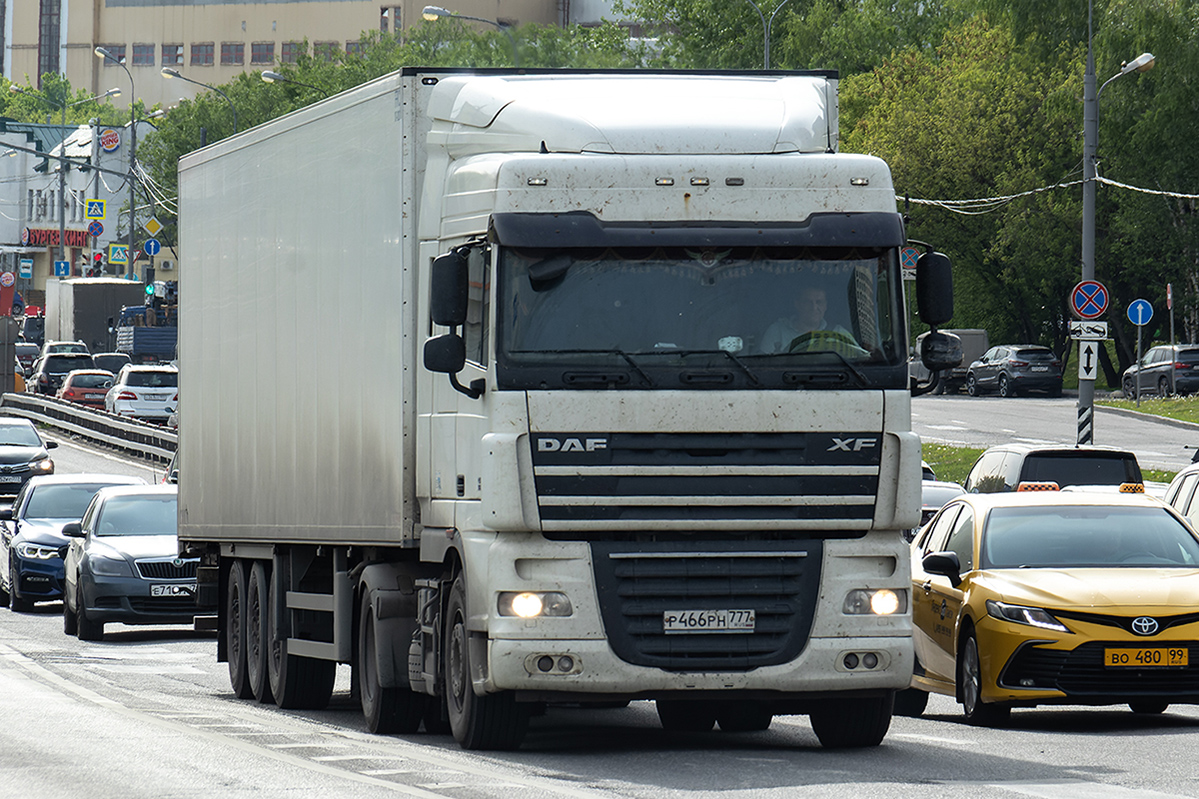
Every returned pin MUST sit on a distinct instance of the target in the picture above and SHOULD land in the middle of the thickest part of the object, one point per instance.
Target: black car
(1168, 369)
(1005, 467)
(1013, 369)
(23, 454)
(49, 371)
(110, 361)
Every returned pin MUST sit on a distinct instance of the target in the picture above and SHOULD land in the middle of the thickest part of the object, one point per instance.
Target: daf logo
(1144, 625)
(571, 444)
(852, 444)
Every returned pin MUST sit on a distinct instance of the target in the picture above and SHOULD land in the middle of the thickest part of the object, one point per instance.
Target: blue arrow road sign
(1140, 312)
(152, 247)
(62, 268)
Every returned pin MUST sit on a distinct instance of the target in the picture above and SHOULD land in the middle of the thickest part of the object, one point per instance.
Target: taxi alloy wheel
(970, 681)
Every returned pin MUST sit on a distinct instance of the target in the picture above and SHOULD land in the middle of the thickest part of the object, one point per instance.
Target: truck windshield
(735, 317)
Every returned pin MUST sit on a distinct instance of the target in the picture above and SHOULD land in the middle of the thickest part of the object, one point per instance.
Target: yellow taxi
(1052, 597)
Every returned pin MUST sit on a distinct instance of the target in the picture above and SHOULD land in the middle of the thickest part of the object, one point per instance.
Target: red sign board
(48, 237)
(110, 140)
(1089, 299)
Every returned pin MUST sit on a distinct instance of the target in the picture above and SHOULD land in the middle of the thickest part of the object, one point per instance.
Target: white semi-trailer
(512, 388)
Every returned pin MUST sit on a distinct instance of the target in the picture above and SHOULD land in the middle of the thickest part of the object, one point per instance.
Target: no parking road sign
(1089, 299)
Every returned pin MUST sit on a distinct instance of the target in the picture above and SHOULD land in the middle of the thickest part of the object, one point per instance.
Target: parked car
(53, 347)
(144, 392)
(1045, 597)
(1005, 467)
(49, 371)
(1164, 370)
(31, 539)
(27, 353)
(110, 361)
(23, 454)
(1013, 369)
(86, 387)
(123, 563)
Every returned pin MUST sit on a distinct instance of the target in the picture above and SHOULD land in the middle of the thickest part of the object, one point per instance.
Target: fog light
(566, 663)
(545, 663)
(870, 660)
(851, 661)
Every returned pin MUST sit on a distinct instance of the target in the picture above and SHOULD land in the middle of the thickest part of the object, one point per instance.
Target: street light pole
(62, 163)
(168, 72)
(766, 26)
(432, 13)
(102, 53)
(270, 76)
(1090, 145)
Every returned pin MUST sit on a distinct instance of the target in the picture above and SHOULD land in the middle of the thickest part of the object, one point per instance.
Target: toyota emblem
(1144, 625)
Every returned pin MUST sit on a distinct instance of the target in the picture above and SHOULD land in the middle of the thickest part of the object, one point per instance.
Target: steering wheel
(816, 340)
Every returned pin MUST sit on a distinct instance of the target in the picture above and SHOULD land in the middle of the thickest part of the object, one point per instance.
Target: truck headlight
(875, 601)
(531, 604)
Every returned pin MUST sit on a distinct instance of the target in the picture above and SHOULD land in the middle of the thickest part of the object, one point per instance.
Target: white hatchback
(144, 392)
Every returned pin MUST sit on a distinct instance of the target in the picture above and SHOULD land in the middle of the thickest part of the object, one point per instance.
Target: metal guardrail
(150, 442)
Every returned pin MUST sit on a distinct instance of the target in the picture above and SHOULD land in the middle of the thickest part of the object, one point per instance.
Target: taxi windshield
(1092, 536)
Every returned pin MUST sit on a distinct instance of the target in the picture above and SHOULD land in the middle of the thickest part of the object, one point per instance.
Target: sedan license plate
(10, 478)
(708, 621)
(1146, 657)
(1040, 368)
(176, 589)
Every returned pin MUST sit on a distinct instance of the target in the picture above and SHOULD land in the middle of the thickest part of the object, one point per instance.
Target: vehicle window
(1035, 354)
(154, 515)
(1188, 356)
(91, 381)
(961, 539)
(1180, 494)
(59, 363)
(61, 501)
(478, 308)
(1070, 470)
(19, 435)
(152, 379)
(987, 474)
(1091, 536)
(934, 540)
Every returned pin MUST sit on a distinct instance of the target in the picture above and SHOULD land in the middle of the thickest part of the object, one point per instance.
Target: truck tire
(235, 631)
(852, 723)
(85, 628)
(494, 721)
(437, 716)
(677, 715)
(257, 642)
(387, 709)
(297, 683)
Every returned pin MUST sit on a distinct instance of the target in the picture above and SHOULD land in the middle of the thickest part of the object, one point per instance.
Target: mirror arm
(474, 390)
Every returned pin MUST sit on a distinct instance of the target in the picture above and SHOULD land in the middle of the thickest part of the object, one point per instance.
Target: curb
(1148, 417)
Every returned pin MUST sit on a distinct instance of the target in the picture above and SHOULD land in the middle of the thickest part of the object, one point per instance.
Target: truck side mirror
(450, 289)
(934, 288)
(940, 351)
(446, 354)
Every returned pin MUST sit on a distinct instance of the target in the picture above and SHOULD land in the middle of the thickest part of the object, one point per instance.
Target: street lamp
(62, 151)
(168, 72)
(269, 76)
(1090, 144)
(433, 13)
(107, 56)
(766, 27)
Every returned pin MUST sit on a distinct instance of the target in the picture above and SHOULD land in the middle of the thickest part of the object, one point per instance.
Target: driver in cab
(807, 329)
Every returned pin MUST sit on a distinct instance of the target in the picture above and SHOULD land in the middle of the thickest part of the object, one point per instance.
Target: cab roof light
(664, 182)
(1047, 485)
(538, 182)
(1132, 488)
(859, 181)
(700, 182)
(734, 181)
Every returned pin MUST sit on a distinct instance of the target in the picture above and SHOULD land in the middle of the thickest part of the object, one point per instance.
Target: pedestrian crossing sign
(118, 254)
(95, 209)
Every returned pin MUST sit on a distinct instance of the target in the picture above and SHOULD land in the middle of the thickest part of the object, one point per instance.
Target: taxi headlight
(1033, 617)
(531, 604)
(875, 601)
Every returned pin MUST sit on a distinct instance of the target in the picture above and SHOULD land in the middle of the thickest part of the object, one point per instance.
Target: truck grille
(778, 580)
(1080, 673)
(167, 569)
(711, 481)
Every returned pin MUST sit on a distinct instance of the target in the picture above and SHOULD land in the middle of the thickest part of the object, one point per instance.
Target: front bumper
(128, 600)
(38, 580)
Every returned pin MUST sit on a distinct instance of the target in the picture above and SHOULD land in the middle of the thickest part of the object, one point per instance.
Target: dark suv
(1013, 369)
(1164, 370)
(1005, 467)
(49, 371)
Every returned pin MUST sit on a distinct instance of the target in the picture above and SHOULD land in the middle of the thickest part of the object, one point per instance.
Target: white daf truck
(513, 388)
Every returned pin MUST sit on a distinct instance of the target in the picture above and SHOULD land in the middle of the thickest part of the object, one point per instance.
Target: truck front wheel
(494, 721)
(852, 723)
(387, 709)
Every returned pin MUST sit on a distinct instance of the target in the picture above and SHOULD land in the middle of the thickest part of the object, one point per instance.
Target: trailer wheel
(297, 683)
(852, 723)
(235, 631)
(257, 640)
(495, 721)
(387, 709)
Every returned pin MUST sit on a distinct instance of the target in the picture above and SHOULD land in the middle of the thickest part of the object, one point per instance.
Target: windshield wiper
(753, 379)
(614, 351)
(862, 380)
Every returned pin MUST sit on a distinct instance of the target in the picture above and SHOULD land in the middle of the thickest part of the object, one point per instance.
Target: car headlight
(36, 551)
(43, 465)
(531, 604)
(875, 601)
(1033, 617)
(107, 562)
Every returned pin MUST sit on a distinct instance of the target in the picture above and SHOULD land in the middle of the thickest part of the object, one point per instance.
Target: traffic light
(149, 275)
(97, 265)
